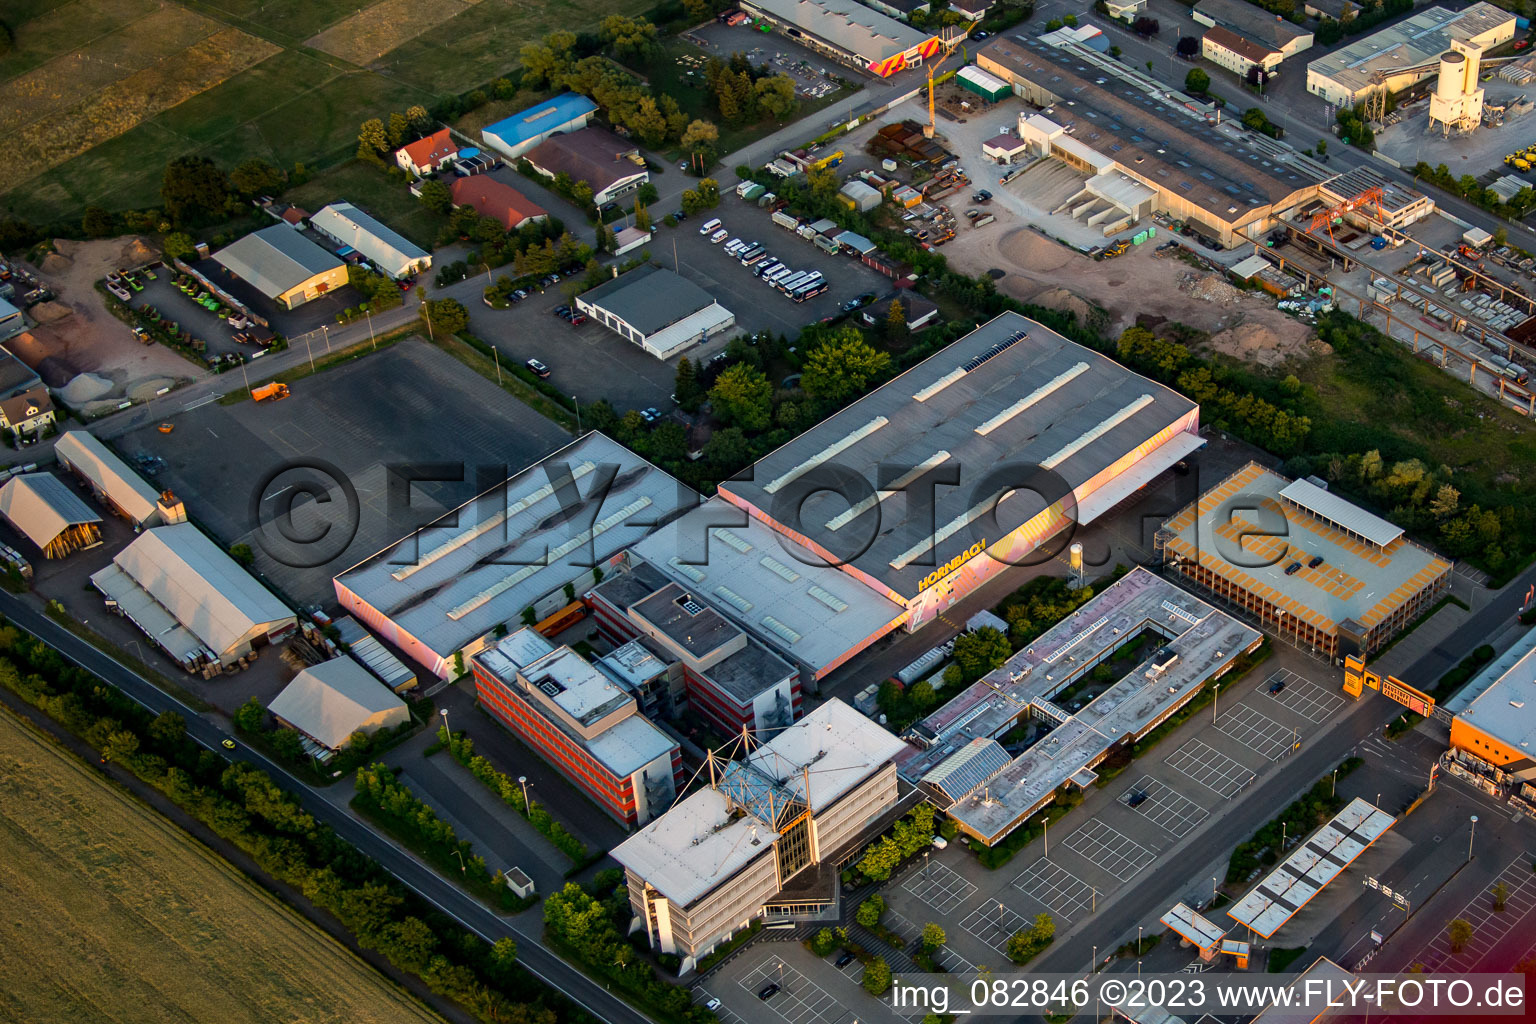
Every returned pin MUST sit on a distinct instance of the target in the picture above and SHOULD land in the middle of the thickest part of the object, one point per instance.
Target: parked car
(539, 369)
(712, 1005)
(1317, 560)
(844, 960)
(679, 216)
(1293, 569)
(651, 415)
(561, 311)
(1277, 686)
(577, 319)
(768, 991)
(719, 236)
(1138, 797)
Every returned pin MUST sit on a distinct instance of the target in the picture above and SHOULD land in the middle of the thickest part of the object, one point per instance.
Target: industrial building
(283, 265)
(42, 508)
(328, 703)
(791, 599)
(1402, 55)
(1493, 731)
(110, 479)
(513, 136)
(1029, 433)
(989, 87)
(1142, 151)
(765, 839)
(610, 165)
(442, 591)
(917, 311)
(663, 313)
(585, 724)
(490, 198)
(849, 32)
(12, 320)
(428, 154)
(192, 600)
(366, 650)
(711, 665)
(954, 754)
(389, 251)
(1304, 561)
(1252, 34)
(28, 414)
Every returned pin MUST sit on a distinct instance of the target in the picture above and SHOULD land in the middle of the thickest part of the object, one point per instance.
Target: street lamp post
(325, 330)
(523, 781)
(462, 868)
(495, 355)
(1047, 824)
(1471, 836)
(1093, 964)
(1334, 790)
(577, 402)
(444, 713)
(309, 345)
(369, 314)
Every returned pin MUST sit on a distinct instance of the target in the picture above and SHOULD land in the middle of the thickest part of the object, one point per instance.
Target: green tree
(436, 196)
(630, 38)
(870, 911)
(699, 137)
(243, 554)
(648, 122)
(419, 119)
(842, 366)
(743, 396)
(372, 140)
(877, 977)
(399, 128)
(178, 245)
(776, 96)
(250, 716)
(97, 222)
(933, 936)
(1500, 893)
(255, 177)
(121, 744)
(193, 189)
(685, 387)
(1197, 82)
(445, 316)
(980, 651)
(1459, 933)
(895, 327)
(823, 942)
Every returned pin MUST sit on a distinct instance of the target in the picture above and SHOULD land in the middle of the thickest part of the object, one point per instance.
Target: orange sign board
(1357, 677)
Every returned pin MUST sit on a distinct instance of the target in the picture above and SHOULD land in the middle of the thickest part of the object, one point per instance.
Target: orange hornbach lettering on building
(952, 565)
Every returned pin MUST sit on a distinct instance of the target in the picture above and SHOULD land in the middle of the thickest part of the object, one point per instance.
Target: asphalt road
(543, 964)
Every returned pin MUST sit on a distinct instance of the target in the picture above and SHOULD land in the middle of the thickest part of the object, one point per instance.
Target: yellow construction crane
(947, 44)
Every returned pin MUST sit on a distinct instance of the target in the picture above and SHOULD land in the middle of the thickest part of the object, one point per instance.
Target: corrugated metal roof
(968, 768)
(42, 507)
(540, 119)
(80, 451)
(330, 701)
(275, 260)
(380, 243)
(848, 25)
(650, 298)
(208, 593)
(1329, 506)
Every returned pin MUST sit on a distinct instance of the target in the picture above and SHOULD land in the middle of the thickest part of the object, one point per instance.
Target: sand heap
(85, 387)
(49, 312)
(55, 263)
(137, 253)
(1257, 343)
(1060, 298)
(1033, 251)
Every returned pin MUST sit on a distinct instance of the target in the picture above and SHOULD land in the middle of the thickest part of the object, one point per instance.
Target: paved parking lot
(777, 53)
(1165, 806)
(799, 1001)
(1257, 731)
(1057, 888)
(994, 924)
(1489, 926)
(1303, 696)
(1111, 850)
(1210, 767)
(941, 887)
(410, 404)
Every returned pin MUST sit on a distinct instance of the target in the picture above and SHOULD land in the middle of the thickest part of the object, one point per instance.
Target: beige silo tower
(1457, 102)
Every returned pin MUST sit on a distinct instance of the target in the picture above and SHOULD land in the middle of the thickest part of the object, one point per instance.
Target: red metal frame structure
(1325, 218)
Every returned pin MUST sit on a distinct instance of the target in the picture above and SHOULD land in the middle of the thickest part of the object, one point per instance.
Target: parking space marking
(1116, 853)
(941, 887)
(1301, 695)
(726, 1016)
(799, 999)
(1210, 767)
(1489, 926)
(1057, 888)
(1165, 806)
(994, 925)
(1257, 731)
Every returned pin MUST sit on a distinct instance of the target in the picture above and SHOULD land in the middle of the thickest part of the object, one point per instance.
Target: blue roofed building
(515, 135)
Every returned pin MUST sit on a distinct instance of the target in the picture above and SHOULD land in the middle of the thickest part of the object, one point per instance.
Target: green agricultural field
(99, 95)
(113, 914)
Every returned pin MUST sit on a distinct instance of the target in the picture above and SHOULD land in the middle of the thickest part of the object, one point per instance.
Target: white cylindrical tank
(1077, 557)
(1453, 71)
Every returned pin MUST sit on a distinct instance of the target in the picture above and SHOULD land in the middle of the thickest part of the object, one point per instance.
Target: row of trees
(1027, 943)
(1468, 188)
(744, 92)
(194, 191)
(512, 794)
(912, 833)
(245, 807)
(1311, 809)
(589, 930)
(381, 792)
(380, 136)
(557, 62)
